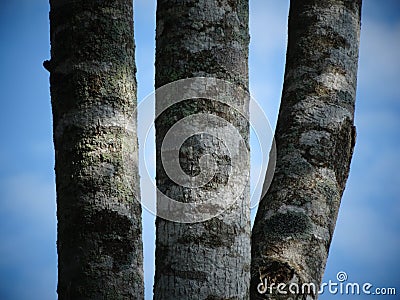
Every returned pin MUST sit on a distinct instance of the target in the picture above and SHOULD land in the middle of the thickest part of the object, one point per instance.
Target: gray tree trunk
(210, 259)
(315, 138)
(93, 92)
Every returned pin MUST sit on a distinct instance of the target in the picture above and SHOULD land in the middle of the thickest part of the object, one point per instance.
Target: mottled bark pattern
(211, 259)
(315, 138)
(93, 92)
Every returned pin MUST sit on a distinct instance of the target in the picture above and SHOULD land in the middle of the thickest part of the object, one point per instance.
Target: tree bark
(93, 92)
(210, 259)
(315, 138)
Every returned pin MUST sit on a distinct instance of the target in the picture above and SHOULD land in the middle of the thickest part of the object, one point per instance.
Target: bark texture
(315, 138)
(210, 259)
(93, 92)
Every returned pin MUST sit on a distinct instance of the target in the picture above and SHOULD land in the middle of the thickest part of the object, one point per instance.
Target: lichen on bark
(93, 94)
(210, 259)
(315, 137)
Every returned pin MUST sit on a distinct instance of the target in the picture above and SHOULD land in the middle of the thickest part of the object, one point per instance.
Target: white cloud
(268, 31)
(378, 121)
(379, 65)
(268, 26)
(28, 235)
(267, 95)
(29, 197)
(366, 234)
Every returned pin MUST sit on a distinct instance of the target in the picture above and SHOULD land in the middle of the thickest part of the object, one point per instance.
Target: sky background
(366, 243)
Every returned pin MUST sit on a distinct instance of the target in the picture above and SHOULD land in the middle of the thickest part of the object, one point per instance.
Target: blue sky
(366, 243)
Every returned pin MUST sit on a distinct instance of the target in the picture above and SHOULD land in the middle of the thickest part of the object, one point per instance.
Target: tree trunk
(315, 138)
(93, 92)
(209, 259)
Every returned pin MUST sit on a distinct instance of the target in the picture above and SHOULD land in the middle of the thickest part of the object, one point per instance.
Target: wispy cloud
(379, 67)
(268, 31)
(28, 234)
(268, 26)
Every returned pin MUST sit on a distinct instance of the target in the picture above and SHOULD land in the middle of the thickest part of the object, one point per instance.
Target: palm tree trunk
(93, 92)
(315, 138)
(209, 259)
